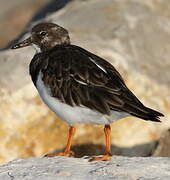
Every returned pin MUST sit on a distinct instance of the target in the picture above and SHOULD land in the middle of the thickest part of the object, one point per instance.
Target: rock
(163, 145)
(15, 15)
(119, 168)
(134, 36)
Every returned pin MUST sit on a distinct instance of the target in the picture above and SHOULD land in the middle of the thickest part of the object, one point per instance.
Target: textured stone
(163, 146)
(15, 15)
(119, 168)
(134, 36)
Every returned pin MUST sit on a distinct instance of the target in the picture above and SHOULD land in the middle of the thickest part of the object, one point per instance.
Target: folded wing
(80, 78)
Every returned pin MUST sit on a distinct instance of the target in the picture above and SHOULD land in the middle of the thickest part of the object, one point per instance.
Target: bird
(79, 86)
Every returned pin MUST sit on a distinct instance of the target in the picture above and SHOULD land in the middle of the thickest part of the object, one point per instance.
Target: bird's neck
(46, 49)
(37, 48)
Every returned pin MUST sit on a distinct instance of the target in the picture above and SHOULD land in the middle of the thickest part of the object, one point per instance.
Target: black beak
(26, 42)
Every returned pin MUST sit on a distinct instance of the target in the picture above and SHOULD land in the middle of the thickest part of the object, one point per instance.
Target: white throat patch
(37, 49)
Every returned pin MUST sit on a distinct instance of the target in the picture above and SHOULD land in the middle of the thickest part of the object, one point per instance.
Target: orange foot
(102, 158)
(67, 154)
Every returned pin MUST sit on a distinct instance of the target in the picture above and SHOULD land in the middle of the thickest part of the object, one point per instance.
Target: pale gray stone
(119, 168)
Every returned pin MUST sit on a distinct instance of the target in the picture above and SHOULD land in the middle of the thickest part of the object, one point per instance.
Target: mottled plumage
(79, 86)
(73, 77)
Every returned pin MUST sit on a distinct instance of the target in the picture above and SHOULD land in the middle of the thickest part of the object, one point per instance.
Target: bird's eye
(43, 33)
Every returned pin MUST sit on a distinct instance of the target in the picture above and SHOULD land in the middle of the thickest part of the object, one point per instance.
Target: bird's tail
(150, 115)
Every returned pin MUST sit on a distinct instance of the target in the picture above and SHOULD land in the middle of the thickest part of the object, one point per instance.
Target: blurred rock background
(15, 15)
(133, 35)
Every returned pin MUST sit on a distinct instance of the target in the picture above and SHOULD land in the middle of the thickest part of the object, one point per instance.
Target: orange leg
(107, 156)
(67, 151)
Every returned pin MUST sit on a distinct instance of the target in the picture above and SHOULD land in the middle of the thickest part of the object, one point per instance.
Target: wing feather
(80, 78)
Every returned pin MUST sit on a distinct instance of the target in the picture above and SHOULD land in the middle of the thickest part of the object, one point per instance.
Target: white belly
(76, 114)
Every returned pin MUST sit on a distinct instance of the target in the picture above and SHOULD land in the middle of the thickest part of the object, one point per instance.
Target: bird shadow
(142, 150)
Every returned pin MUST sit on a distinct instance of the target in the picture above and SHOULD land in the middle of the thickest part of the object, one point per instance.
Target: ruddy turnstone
(79, 86)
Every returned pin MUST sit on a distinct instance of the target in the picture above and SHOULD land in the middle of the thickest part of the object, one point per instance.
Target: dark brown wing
(39, 62)
(80, 78)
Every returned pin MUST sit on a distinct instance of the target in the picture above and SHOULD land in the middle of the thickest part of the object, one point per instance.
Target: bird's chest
(72, 115)
(38, 63)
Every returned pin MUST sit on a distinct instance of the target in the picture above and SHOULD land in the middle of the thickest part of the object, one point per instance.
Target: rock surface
(14, 17)
(134, 36)
(163, 147)
(119, 168)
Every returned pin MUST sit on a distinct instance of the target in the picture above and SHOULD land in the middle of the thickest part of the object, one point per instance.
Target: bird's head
(45, 36)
